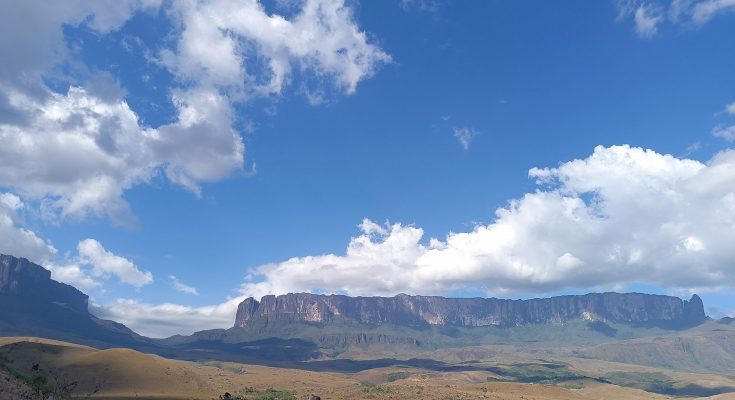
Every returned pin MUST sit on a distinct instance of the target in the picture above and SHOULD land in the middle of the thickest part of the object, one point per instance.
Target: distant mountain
(288, 329)
(33, 304)
(20, 277)
(415, 311)
(304, 326)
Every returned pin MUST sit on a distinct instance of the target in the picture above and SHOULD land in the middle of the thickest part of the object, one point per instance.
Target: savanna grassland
(37, 368)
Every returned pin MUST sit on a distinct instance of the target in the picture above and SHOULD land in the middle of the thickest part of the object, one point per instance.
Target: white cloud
(17, 240)
(646, 19)
(705, 10)
(78, 152)
(86, 271)
(10, 202)
(104, 264)
(649, 15)
(620, 216)
(465, 136)
(163, 320)
(73, 274)
(31, 32)
(181, 287)
(726, 131)
(93, 265)
(220, 36)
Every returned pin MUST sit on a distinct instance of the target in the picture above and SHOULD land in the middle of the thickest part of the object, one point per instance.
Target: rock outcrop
(33, 304)
(628, 308)
(22, 278)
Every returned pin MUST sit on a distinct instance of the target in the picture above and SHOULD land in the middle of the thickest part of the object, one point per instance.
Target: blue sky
(170, 158)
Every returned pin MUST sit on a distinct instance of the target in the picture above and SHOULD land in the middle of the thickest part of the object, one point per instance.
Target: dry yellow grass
(123, 374)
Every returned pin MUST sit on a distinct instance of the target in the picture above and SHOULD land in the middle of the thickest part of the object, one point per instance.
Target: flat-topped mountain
(33, 304)
(20, 277)
(626, 308)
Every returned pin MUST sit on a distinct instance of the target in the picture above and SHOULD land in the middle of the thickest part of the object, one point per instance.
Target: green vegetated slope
(338, 337)
(707, 348)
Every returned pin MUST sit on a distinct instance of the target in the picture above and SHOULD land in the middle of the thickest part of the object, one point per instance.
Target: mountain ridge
(629, 308)
(32, 303)
(21, 277)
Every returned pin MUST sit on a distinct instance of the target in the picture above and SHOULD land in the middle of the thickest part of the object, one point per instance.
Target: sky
(171, 158)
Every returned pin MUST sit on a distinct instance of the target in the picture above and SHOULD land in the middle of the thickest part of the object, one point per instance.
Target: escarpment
(627, 308)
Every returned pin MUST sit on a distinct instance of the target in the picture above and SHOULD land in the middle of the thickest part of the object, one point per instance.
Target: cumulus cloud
(220, 36)
(17, 240)
(649, 15)
(78, 151)
(73, 274)
(93, 265)
(86, 271)
(164, 320)
(620, 216)
(465, 136)
(105, 264)
(181, 287)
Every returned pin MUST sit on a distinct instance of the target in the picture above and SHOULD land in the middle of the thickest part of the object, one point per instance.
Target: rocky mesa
(22, 278)
(627, 308)
(33, 304)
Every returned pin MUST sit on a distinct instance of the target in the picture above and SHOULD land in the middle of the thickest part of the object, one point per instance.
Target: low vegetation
(550, 373)
(250, 393)
(649, 381)
(369, 388)
(37, 383)
(396, 376)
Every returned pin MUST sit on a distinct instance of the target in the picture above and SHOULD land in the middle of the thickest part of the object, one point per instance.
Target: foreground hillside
(32, 368)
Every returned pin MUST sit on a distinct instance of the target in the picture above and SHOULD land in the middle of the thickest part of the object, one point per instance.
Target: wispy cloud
(465, 136)
(647, 18)
(703, 11)
(431, 6)
(181, 287)
(649, 15)
(726, 130)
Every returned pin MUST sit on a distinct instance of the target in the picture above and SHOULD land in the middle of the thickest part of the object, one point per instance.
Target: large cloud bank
(620, 216)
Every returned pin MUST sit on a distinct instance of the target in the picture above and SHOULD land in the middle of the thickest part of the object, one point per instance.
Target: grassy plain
(86, 372)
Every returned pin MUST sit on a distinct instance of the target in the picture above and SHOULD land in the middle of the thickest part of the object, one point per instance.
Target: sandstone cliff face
(633, 308)
(22, 278)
